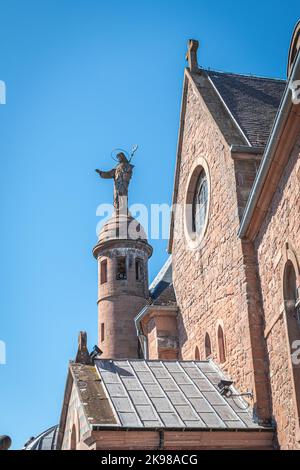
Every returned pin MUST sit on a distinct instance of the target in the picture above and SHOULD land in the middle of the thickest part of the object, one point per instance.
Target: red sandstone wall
(152, 339)
(210, 283)
(282, 224)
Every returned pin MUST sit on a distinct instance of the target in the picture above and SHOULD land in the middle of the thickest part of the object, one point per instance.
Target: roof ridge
(259, 77)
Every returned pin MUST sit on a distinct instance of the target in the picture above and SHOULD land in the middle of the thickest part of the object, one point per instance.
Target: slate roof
(253, 102)
(47, 440)
(161, 289)
(171, 394)
(162, 280)
(166, 298)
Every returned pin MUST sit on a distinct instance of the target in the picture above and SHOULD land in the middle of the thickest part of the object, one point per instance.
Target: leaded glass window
(200, 203)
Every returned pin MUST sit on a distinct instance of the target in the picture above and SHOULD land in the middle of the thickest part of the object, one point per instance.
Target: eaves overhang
(248, 230)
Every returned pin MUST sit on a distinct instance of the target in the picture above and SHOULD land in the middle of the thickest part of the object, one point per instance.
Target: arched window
(207, 346)
(197, 354)
(138, 269)
(200, 203)
(103, 271)
(292, 309)
(121, 268)
(73, 438)
(102, 332)
(221, 344)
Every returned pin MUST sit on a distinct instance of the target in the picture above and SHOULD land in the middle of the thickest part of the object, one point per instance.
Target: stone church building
(208, 356)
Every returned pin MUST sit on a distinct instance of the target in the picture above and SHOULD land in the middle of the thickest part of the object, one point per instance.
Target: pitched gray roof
(171, 394)
(166, 298)
(253, 102)
(162, 280)
(161, 289)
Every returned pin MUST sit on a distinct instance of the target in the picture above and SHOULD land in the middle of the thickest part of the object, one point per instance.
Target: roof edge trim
(186, 79)
(229, 112)
(279, 123)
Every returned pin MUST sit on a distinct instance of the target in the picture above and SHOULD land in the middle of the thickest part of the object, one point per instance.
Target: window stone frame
(193, 238)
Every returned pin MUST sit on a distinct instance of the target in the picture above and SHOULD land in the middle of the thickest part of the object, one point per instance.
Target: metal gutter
(138, 318)
(146, 309)
(279, 123)
(101, 427)
(137, 321)
(140, 334)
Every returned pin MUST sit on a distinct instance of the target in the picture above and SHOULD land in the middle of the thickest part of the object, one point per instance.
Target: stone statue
(122, 175)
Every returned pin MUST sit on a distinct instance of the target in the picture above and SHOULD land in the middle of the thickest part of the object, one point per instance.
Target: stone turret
(122, 252)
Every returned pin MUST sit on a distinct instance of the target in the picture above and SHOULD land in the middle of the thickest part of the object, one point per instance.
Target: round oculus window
(197, 203)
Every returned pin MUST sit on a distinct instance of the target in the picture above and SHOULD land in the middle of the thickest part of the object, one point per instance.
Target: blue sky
(84, 77)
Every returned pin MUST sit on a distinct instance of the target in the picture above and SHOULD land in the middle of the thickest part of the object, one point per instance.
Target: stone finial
(5, 442)
(82, 355)
(191, 55)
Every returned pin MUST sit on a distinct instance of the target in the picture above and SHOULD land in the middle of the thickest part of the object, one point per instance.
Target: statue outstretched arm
(106, 174)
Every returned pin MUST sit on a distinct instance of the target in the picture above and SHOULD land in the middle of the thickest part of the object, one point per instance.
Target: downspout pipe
(142, 338)
(281, 116)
